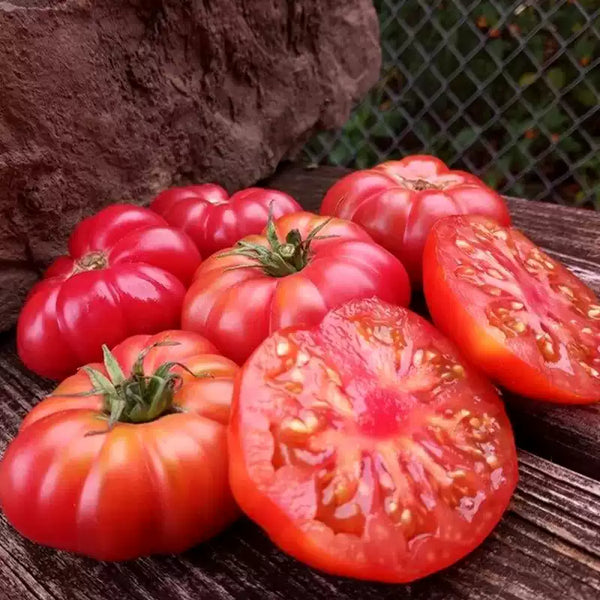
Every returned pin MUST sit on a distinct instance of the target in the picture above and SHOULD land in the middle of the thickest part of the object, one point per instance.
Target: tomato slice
(366, 447)
(514, 311)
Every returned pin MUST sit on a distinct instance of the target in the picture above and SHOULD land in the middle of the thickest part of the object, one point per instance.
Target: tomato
(367, 447)
(397, 202)
(126, 272)
(213, 219)
(516, 313)
(241, 296)
(138, 469)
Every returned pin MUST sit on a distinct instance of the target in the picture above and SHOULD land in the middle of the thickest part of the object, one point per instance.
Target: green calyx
(279, 259)
(138, 398)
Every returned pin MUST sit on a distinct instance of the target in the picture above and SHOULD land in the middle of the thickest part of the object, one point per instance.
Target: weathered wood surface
(569, 435)
(547, 546)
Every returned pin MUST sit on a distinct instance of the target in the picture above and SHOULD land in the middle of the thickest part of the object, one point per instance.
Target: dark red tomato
(367, 447)
(303, 266)
(516, 313)
(126, 273)
(397, 202)
(214, 220)
(155, 481)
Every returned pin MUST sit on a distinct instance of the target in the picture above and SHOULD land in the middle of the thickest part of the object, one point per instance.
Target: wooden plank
(568, 435)
(546, 547)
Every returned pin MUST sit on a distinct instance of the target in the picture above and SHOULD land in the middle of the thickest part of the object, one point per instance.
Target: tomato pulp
(514, 311)
(366, 447)
(398, 201)
(154, 480)
(216, 220)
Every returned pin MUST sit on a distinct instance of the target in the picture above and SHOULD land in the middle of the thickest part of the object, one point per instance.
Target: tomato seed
(418, 357)
(283, 348)
(302, 358)
(594, 311)
(495, 274)
(491, 290)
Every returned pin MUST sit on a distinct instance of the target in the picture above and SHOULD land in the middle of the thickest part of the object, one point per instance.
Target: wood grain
(567, 435)
(547, 547)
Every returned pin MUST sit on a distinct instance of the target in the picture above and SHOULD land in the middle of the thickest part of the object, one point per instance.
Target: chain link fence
(508, 90)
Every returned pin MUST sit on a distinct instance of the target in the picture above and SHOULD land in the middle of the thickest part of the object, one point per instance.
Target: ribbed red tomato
(397, 202)
(367, 447)
(139, 468)
(215, 220)
(303, 266)
(126, 273)
(514, 311)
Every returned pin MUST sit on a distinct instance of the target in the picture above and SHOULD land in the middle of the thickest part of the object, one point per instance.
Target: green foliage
(512, 96)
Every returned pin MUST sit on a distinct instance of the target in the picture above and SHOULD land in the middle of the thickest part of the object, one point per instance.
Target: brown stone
(105, 100)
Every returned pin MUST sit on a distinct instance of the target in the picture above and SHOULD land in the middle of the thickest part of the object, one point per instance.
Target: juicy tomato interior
(520, 302)
(367, 448)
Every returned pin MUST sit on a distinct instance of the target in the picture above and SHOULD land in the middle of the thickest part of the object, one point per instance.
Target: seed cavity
(547, 347)
(492, 290)
(589, 369)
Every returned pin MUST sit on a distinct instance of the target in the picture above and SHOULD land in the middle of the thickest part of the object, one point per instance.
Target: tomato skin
(213, 219)
(237, 308)
(478, 341)
(139, 489)
(283, 496)
(392, 202)
(126, 273)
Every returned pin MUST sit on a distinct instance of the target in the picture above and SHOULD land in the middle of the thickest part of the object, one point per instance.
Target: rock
(106, 100)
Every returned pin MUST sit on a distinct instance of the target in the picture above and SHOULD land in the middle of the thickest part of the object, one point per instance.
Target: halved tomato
(516, 313)
(366, 447)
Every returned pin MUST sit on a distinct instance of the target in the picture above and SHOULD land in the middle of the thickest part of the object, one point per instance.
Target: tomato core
(384, 412)
(93, 261)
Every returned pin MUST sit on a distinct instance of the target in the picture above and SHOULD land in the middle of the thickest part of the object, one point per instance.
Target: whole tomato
(215, 220)
(126, 273)
(397, 202)
(301, 267)
(128, 458)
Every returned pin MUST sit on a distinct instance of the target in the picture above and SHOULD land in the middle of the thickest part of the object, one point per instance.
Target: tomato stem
(139, 398)
(278, 259)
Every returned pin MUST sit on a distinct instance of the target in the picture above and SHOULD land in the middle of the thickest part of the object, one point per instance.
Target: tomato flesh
(367, 448)
(516, 312)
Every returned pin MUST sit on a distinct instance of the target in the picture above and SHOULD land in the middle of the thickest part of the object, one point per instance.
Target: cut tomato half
(366, 447)
(514, 311)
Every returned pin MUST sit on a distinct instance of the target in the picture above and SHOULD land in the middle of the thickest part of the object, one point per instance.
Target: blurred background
(507, 90)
